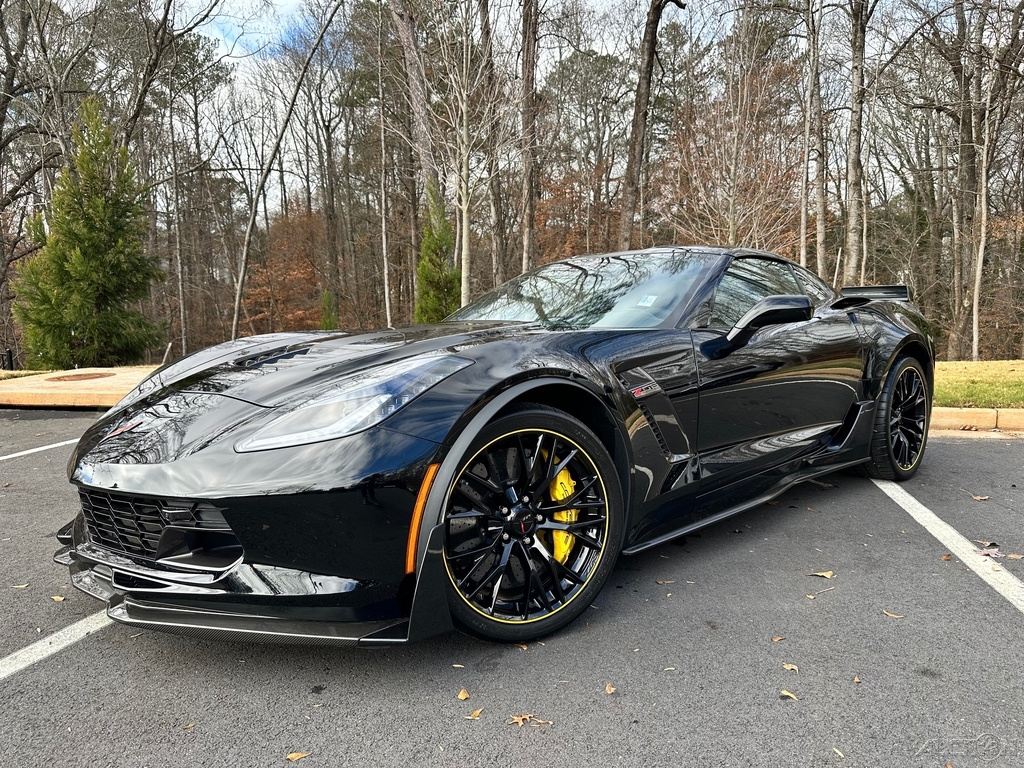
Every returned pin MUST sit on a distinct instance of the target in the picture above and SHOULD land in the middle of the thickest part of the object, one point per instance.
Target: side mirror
(771, 310)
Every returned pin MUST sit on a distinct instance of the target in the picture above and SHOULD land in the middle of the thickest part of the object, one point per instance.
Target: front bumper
(253, 602)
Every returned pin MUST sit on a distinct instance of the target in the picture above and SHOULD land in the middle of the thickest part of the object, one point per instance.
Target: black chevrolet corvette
(486, 472)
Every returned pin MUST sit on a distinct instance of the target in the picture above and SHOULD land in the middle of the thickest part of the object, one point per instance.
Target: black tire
(527, 546)
(901, 422)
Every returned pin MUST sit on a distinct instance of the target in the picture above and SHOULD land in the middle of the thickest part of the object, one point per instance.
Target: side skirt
(778, 490)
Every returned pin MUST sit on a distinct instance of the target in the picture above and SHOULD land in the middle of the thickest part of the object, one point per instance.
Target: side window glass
(814, 287)
(746, 282)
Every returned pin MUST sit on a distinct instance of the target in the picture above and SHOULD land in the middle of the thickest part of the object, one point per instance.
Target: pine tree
(439, 283)
(328, 311)
(74, 298)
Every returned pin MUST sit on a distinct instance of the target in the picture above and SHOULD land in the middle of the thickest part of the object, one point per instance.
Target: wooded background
(286, 164)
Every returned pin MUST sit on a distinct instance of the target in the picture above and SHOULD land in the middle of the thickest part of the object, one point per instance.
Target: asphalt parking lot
(692, 636)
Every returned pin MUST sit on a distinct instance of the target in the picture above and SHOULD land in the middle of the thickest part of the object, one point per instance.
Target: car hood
(272, 370)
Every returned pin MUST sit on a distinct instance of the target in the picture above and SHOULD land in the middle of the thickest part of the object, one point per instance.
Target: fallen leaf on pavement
(537, 722)
(520, 720)
(475, 714)
(791, 667)
(669, 669)
(291, 757)
(787, 695)
(947, 557)
(459, 666)
(823, 574)
(892, 615)
(19, 586)
(838, 752)
(810, 597)
(980, 498)
(609, 689)
(57, 599)
(823, 591)
(1013, 556)
(522, 646)
(778, 639)
(989, 552)
(665, 582)
(188, 727)
(463, 694)
(856, 680)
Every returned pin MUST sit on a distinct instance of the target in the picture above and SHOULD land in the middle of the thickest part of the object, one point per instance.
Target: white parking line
(37, 450)
(51, 644)
(997, 577)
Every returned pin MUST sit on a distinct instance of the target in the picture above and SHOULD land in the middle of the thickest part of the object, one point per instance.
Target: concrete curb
(1010, 419)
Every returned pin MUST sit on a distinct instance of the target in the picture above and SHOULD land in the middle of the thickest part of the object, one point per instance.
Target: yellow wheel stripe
(600, 554)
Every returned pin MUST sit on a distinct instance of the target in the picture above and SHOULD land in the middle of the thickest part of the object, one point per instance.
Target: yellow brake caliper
(560, 489)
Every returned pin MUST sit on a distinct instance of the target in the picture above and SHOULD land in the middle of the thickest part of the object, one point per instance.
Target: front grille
(133, 524)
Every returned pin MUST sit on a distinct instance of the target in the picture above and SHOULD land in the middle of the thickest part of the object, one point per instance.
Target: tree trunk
(385, 266)
(529, 132)
(415, 77)
(499, 244)
(638, 128)
(859, 15)
(818, 122)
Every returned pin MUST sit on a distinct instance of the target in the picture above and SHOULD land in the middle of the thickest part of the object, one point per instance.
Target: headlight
(354, 403)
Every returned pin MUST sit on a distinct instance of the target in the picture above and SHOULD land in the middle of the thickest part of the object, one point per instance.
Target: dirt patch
(80, 377)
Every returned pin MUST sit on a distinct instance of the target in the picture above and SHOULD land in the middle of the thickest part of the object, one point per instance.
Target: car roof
(718, 250)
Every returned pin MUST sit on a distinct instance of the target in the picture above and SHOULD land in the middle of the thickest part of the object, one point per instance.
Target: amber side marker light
(417, 517)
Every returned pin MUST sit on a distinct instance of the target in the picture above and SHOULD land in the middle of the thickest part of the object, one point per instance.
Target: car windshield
(631, 290)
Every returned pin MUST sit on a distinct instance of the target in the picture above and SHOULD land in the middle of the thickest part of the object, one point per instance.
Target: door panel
(777, 397)
(781, 395)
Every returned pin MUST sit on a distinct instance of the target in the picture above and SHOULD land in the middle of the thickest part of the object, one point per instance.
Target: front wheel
(901, 422)
(533, 522)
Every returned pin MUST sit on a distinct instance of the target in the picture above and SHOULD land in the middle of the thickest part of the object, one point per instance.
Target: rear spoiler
(876, 292)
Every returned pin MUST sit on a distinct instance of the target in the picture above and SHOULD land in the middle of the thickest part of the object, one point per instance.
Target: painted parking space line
(997, 577)
(51, 644)
(37, 450)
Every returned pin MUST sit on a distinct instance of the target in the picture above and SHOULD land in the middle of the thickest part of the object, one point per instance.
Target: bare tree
(638, 129)
(268, 167)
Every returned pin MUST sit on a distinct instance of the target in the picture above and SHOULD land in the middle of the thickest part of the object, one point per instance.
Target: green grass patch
(985, 384)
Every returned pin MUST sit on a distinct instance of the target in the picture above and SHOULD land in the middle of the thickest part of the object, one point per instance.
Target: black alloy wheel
(532, 526)
(901, 422)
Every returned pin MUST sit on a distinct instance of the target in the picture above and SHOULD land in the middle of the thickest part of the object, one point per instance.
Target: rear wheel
(901, 422)
(533, 522)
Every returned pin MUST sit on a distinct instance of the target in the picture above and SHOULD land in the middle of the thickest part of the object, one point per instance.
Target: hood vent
(271, 356)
